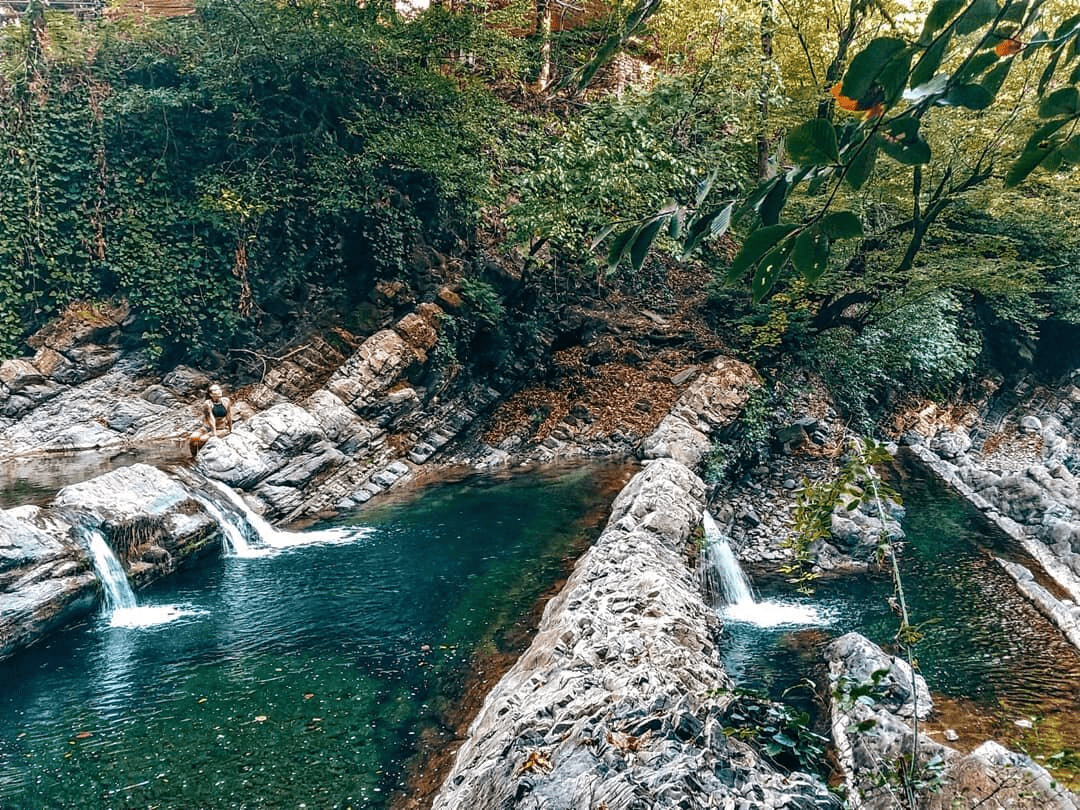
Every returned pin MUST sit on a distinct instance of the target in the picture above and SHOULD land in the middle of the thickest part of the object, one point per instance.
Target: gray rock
(1030, 424)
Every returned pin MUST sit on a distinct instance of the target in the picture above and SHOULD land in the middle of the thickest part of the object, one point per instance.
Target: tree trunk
(543, 30)
(768, 26)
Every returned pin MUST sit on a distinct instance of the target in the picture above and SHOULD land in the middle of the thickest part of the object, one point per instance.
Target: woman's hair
(215, 389)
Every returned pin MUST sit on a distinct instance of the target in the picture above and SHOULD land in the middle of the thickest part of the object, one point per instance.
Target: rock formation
(618, 700)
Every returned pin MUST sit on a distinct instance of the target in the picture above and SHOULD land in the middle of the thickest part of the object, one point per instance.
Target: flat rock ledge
(618, 701)
(873, 731)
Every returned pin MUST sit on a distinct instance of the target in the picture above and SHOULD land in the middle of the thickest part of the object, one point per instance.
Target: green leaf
(810, 256)
(813, 142)
(755, 246)
(1038, 148)
(1014, 12)
(971, 96)
(862, 164)
(768, 270)
(1065, 101)
(977, 66)
(930, 61)
(1068, 27)
(675, 223)
(643, 242)
(978, 14)
(620, 246)
(993, 80)
(704, 187)
(868, 64)
(774, 201)
(1048, 73)
(902, 142)
(841, 225)
(1038, 41)
(1070, 150)
(605, 232)
(715, 222)
(940, 13)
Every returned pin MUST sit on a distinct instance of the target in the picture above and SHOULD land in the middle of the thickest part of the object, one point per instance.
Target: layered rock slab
(618, 700)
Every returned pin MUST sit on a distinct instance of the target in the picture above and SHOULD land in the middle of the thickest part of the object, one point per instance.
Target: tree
(891, 91)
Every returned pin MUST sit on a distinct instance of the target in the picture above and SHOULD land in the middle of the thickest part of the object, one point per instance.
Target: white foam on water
(149, 615)
(773, 613)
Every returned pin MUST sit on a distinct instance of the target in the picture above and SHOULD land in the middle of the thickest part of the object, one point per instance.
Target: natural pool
(301, 679)
(997, 667)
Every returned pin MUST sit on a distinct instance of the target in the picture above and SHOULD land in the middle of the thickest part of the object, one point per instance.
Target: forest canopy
(823, 168)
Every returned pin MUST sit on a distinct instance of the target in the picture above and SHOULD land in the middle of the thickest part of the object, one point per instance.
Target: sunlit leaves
(813, 142)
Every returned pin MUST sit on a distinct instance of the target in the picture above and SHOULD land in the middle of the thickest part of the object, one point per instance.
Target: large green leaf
(1014, 12)
(978, 65)
(930, 61)
(862, 164)
(810, 255)
(1042, 143)
(871, 64)
(972, 96)
(715, 221)
(620, 246)
(978, 14)
(993, 80)
(755, 246)
(902, 142)
(768, 269)
(1065, 101)
(841, 225)
(644, 240)
(940, 13)
(774, 201)
(813, 143)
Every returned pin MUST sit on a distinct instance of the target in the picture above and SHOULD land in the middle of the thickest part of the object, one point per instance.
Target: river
(301, 679)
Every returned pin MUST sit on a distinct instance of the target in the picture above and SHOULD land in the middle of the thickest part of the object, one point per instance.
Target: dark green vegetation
(309, 676)
(894, 186)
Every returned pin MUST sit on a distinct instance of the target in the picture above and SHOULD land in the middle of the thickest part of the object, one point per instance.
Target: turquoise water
(303, 679)
(983, 646)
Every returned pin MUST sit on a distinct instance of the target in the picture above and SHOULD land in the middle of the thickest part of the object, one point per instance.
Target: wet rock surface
(618, 700)
(874, 731)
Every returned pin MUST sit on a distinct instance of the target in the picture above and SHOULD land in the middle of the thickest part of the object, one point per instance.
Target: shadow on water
(997, 667)
(308, 677)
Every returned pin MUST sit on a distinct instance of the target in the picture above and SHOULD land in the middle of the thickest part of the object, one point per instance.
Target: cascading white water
(722, 567)
(123, 609)
(234, 535)
(118, 593)
(278, 538)
(734, 585)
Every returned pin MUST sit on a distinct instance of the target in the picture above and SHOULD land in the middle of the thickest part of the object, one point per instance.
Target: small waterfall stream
(278, 538)
(231, 529)
(723, 577)
(118, 593)
(121, 606)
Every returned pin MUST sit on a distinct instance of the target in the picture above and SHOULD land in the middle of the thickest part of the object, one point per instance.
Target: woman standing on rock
(217, 419)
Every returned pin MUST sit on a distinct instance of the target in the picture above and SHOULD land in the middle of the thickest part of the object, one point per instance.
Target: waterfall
(277, 538)
(118, 593)
(720, 560)
(723, 577)
(120, 604)
(231, 529)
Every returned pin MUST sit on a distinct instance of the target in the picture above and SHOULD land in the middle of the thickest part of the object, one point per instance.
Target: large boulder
(45, 578)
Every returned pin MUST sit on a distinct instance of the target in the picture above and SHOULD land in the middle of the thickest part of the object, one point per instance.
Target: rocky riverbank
(618, 700)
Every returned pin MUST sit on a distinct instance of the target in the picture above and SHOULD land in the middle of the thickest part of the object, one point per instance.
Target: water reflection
(304, 677)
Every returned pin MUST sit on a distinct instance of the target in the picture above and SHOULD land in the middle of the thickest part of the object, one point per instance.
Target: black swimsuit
(219, 410)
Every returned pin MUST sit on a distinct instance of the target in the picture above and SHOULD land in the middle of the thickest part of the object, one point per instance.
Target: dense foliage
(225, 165)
